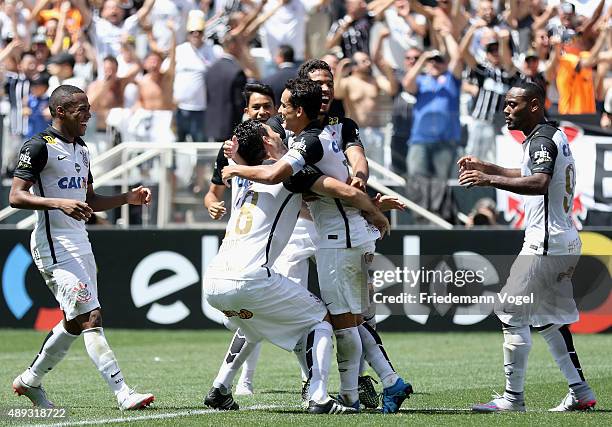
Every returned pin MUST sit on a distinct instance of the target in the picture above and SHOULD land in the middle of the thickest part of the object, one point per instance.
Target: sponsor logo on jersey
(61, 157)
(25, 161)
(243, 314)
(49, 139)
(300, 146)
(333, 121)
(334, 145)
(541, 156)
(69, 182)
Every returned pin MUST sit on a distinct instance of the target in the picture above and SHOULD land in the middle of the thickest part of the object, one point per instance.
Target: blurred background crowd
(425, 80)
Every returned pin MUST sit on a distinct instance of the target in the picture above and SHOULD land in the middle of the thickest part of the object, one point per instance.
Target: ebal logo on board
(16, 294)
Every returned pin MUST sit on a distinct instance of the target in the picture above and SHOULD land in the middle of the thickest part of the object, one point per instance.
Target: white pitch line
(150, 417)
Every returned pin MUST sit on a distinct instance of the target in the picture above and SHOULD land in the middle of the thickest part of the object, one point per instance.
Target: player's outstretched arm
(21, 198)
(359, 164)
(331, 187)
(474, 163)
(533, 185)
(265, 174)
(136, 196)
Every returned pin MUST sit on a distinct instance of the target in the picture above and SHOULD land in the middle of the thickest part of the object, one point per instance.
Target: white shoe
(132, 400)
(571, 403)
(37, 395)
(244, 388)
(499, 404)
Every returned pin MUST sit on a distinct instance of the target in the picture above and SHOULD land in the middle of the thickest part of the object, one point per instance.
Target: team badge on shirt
(85, 159)
(82, 294)
(541, 156)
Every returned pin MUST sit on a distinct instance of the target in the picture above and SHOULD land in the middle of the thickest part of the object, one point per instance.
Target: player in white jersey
(347, 244)
(240, 280)
(53, 178)
(549, 255)
(293, 261)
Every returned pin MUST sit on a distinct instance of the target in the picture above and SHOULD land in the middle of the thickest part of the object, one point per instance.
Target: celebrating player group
(298, 181)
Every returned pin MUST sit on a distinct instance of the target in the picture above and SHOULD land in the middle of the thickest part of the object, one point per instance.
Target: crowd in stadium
(424, 81)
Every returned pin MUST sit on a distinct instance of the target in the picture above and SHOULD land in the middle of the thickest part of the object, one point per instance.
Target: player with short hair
(346, 247)
(550, 252)
(241, 282)
(53, 178)
(293, 261)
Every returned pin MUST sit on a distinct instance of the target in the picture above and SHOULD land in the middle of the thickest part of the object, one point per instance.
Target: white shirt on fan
(189, 81)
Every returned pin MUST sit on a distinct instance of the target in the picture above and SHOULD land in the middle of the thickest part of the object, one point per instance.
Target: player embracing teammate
(346, 246)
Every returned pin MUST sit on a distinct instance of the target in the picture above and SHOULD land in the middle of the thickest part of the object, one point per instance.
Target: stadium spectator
(73, 19)
(108, 29)
(436, 129)
(487, 13)
(176, 11)
(40, 49)
(193, 59)
(108, 92)
(14, 22)
(37, 110)
(568, 20)
(494, 76)
(403, 104)
(574, 71)
(287, 69)
(362, 93)
(446, 15)
(286, 25)
(352, 32)
(224, 83)
(407, 31)
(84, 59)
(61, 68)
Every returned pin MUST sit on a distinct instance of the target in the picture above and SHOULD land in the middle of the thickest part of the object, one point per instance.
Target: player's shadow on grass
(296, 392)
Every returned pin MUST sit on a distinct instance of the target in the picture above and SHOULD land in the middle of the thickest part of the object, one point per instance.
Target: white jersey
(262, 221)
(550, 229)
(58, 169)
(338, 224)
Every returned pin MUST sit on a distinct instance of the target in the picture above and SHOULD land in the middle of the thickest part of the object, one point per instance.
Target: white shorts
(275, 308)
(73, 283)
(549, 280)
(293, 260)
(343, 277)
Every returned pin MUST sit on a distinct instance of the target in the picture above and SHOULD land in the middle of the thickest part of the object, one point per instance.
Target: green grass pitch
(449, 371)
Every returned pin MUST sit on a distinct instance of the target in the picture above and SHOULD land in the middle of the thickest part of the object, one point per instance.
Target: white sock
(54, 348)
(370, 319)
(239, 350)
(248, 368)
(561, 346)
(318, 359)
(348, 355)
(517, 343)
(103, 357)
(300, 354)
(376, 355)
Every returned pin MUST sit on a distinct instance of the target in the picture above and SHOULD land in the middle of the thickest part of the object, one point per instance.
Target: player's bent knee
(90, 320)
(346, 320)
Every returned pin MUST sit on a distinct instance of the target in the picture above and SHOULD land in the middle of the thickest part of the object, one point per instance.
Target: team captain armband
(543, 153)
(302, 181)
(32, 159)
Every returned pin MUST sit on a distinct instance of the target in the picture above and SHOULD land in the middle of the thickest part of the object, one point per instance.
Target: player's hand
(474, 178)
(470, 163)
(139, 196)
(76, 209)
(216, 210)
(227, 173)
(230, 147)
(387, 203)
(378, 220)
(357, 182)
